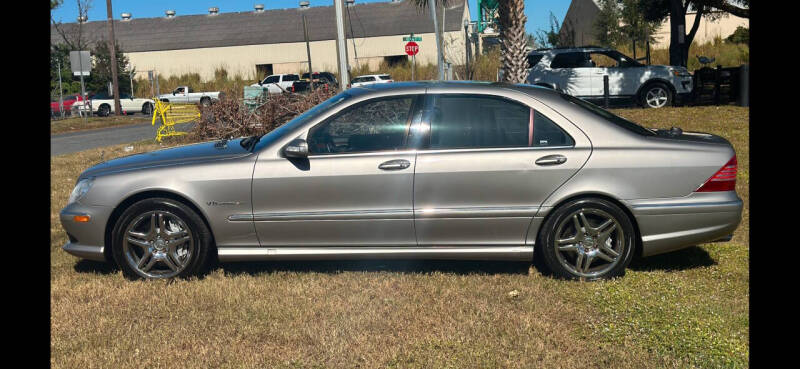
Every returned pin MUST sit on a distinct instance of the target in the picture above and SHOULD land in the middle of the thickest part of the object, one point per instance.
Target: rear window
(533, 60)
(291, 77)
(385, 77)
(605, 114)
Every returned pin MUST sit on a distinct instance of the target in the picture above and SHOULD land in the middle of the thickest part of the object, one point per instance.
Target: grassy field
(684, 309)
(75, 124)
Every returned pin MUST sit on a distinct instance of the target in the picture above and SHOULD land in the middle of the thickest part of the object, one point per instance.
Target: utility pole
(113, 50)
(60, 92)
(341, 45)
(308, 52)
(439, 61)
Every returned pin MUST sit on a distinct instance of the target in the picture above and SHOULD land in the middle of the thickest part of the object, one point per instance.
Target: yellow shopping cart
(172, 114)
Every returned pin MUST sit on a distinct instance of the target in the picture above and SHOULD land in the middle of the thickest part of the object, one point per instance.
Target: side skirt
(511, 253)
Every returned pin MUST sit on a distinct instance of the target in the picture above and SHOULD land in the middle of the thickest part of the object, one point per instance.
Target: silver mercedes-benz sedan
(427, 170)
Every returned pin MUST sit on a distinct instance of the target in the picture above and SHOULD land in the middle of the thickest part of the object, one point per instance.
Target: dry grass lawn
(75, 124)
(684, 309)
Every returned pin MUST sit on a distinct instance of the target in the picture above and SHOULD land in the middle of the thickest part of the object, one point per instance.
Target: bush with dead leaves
(230, 118)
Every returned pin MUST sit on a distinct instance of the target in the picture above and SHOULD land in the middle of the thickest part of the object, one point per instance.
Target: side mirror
(297, 148)
(173, 93)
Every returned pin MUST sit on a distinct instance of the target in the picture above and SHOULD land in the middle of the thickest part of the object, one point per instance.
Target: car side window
(547, 133)
(470, 121)
(290, 77)
(272, 79)
(572, 60)
(375, 125)
(534, 59)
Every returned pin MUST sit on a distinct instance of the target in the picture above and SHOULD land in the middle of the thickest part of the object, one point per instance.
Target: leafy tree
(101, 69)
(607, 27)
(55, 4)
(553, 38)
(681, 36)
(740, 36)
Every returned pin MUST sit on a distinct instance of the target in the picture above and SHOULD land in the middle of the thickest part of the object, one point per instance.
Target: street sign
(412, 48)
(412, 38)
(80, 62)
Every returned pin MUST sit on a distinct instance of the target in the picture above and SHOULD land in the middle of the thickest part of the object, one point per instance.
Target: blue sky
(538, 11)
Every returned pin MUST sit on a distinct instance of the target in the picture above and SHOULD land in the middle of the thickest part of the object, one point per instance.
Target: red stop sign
(412, 48)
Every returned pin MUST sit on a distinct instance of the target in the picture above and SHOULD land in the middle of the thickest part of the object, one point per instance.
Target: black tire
(147, 108)
(562, 264)
(104, 110)
(656, 95)
(195, 262)
(205, 101)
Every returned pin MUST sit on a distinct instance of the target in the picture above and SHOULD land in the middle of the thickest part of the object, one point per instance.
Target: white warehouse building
(257, 43)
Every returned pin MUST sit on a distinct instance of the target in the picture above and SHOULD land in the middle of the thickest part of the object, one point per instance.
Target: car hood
(182, 155)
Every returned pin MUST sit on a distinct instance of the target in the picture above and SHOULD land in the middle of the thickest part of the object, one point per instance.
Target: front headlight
(81, 188)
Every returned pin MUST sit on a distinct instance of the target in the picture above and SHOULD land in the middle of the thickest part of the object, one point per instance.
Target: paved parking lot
(78, 141)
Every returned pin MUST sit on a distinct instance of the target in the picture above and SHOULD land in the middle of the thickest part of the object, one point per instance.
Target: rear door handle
(395, 164)
(551, 160)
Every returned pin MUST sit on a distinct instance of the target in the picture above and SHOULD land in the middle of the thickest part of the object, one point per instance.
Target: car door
(488, 164)
(573, 72)
(622, 80)
(355, 187)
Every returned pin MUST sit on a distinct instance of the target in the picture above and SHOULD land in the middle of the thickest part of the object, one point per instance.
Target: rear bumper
(675, 223)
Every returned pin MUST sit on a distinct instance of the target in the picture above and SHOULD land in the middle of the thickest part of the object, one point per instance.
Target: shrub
(230, 118)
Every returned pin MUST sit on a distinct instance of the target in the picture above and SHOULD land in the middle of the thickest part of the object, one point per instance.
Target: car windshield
(605, 114)
(300, 120)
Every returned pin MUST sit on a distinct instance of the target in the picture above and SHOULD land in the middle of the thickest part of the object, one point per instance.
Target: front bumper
(86, 239)
(675, 223)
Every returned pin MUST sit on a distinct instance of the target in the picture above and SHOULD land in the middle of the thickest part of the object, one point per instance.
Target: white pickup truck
(184, 94)
(278, 83)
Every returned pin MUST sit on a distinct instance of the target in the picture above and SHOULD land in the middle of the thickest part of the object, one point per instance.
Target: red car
(67, 105)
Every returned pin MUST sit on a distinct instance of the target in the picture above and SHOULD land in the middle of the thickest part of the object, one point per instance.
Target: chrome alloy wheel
(158, 244)
(589, 242)
(656, 97)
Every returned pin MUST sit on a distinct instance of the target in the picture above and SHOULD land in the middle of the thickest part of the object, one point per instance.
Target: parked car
(66, 104)
(324, 77)
(303, 86)
(102, 104)
(278, 83)
(370, 79)
(579, 71)
(184, 94)
(415, 170)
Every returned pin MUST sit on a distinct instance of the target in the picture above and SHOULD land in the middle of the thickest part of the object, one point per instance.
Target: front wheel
(147, 108)
(161, 238)
(656, 95)
(588, 238)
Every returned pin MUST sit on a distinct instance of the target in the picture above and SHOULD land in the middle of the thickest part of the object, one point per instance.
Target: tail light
(723, 180)
(292, 88)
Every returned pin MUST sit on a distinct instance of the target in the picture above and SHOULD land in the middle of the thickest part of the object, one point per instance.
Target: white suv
(579, 71)
(370, 79)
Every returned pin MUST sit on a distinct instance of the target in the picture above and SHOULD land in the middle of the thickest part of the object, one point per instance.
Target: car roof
(543, 93)
(557, 50)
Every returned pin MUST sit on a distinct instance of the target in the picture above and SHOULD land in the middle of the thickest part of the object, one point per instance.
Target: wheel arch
(148, 194)
(625, 209)
(652, 81)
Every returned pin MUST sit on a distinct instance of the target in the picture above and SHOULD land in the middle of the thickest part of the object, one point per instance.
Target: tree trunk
(512, 34)
(677, 27)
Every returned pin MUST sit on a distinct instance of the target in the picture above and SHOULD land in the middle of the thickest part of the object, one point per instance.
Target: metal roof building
(260, 42)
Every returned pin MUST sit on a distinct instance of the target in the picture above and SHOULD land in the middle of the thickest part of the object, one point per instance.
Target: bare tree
(73, 35)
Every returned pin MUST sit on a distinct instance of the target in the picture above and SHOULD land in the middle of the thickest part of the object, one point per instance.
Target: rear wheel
(104, 110)
(205, 101)
(161, 238)
(656, 95)
(588, 238)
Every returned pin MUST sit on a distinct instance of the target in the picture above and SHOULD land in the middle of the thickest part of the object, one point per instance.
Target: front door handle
(395, 164)
(551, 160)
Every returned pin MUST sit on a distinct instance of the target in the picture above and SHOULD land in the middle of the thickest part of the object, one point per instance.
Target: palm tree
(513, 40)
(512, 34)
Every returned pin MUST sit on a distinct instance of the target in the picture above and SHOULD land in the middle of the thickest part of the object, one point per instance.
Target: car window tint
(369, 79)
(291, 77)
(358, 80)
(385, 77)
(272, 79)
(571, 60)
(376, 125)
(464, 121)
(534, 59)
(547, 133)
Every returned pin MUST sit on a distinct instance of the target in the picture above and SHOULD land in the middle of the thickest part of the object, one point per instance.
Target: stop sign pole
(412, 48)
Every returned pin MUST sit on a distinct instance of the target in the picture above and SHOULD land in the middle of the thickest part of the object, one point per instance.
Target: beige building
(262, 42)
(581, 15)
